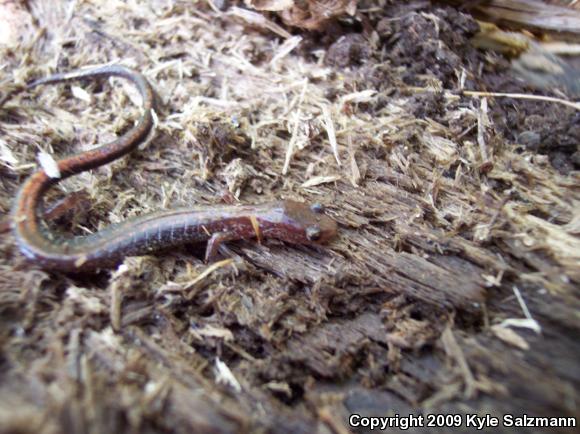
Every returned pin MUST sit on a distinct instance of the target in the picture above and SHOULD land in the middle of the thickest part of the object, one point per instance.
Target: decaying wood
(559, 20)
(452, 287)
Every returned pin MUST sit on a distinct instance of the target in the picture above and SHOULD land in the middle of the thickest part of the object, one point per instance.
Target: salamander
(290, 221)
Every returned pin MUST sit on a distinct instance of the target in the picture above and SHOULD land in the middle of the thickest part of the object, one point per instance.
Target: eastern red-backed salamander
(290, 221)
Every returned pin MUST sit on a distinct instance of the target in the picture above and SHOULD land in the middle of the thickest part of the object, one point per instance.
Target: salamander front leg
(215, 242)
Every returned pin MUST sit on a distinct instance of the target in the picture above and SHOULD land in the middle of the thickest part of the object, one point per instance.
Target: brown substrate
(454, 213)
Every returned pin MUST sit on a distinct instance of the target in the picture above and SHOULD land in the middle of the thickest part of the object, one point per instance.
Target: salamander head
(300, 223)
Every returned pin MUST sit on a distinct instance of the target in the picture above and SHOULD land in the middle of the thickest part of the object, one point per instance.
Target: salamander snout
(309, 224)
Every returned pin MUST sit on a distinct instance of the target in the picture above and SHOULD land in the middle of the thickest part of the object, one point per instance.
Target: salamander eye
(313, 233)
(318, 208)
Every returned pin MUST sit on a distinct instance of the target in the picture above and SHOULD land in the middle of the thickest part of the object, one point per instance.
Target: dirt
(451, 219)
(438, 46)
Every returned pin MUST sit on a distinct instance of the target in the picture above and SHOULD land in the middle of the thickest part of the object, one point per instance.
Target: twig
(571, 104)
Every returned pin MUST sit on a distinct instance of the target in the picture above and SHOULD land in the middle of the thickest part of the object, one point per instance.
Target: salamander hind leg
(215, 242)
